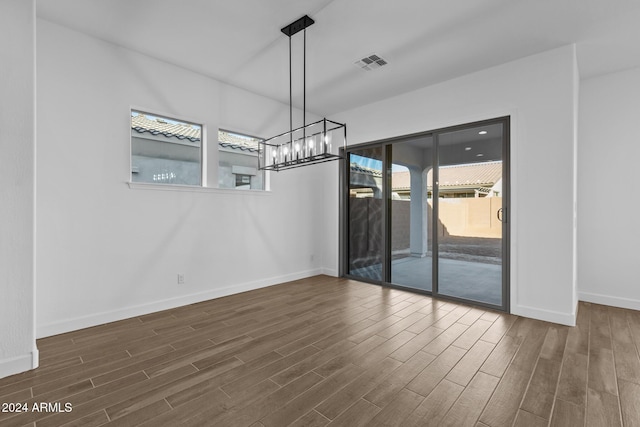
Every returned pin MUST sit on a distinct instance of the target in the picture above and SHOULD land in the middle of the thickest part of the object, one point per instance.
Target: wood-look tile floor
(327, 351)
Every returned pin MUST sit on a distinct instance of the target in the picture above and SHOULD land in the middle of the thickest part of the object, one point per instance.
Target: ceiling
(424, 41)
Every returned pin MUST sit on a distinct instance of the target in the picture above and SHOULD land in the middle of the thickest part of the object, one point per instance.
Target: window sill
(193, 188)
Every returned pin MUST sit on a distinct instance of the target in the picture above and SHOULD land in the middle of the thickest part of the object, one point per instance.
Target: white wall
(106, 251)
(18, 350)
(609, 204)
(539, 93)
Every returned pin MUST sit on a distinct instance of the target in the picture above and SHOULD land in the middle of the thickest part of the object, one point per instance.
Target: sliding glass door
(411, 213)
(429, 212)
(365, 211)
(471, 213)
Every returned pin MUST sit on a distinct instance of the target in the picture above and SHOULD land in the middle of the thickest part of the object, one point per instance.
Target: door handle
(500, 214)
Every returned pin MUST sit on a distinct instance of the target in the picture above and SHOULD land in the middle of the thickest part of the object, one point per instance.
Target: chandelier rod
(290, 90)
(304, 82)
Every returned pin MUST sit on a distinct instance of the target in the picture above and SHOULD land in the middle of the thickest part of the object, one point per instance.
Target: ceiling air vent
(370, 62)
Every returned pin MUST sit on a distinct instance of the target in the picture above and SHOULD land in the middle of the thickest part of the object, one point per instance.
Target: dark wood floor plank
(141, 415)
(567, 414)
(572, 386)
(98, 418)
(190, 356)
(633, 317)
(501, 356)
(416, 344)
(258, 375)
(75, 400)
(542, 389)
(163, 391)
(398, 409)
(472, 334)
(421, 305)
(349, 357)
(213, 400)
(115, 397)
(400, 326)
(498, 328)
(330, 351)
(383, 393)
(435, 406)
(445, 339)
(374, 356)
(372, 330)
(472, 316)
(352, 393)
(630, 403)
(603, 409)
(310, 419)
(215, 376)
(428, 379)
(527, 419)
(626, 358)
(299, 369)
(312, 397)
(464, 371)
(358, 415)
(244, 416)
(601, 376)
(452, 317)
(214, 414)
(345, 333)
(427, 321)
(505, 402)
(541, 392)
(467, 409)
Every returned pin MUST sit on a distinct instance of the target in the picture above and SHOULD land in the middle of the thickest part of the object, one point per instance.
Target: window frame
(175, 118)
(259, 172)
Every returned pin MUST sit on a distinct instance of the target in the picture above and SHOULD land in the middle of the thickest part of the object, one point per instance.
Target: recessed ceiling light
(482, 132)
(467, 148)
(479, 155)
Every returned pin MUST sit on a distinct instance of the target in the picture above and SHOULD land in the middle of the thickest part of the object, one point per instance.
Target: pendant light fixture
(312, 143)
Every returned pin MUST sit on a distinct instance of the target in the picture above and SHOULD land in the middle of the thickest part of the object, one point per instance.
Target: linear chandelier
(309, 144)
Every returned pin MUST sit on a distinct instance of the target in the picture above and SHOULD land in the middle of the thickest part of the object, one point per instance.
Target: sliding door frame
(386, 145)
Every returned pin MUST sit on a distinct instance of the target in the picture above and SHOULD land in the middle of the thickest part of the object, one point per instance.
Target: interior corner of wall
(562, 318)
(35, 358)
(19, 364)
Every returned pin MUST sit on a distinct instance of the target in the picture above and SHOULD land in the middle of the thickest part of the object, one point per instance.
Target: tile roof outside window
(142, 123)
(237, 142)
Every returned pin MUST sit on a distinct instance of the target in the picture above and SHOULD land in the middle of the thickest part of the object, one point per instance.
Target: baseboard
(16, 365)
(561, 318)
(74, 324)
(629, 303)
(330, 272)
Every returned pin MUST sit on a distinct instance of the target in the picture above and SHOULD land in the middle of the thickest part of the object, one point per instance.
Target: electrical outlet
(180, 279)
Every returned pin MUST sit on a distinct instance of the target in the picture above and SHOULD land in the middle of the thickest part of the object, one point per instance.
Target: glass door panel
(470, 209)
(411, 213)
(365, 216)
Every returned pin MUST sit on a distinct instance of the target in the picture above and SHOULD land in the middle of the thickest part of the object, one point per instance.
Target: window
(165, 150)
(238, 161)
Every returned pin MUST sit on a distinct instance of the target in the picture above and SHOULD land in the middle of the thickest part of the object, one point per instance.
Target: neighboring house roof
(237, 142)
(470, 175)
(142, 123)
(157, 126)
(355, 167)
